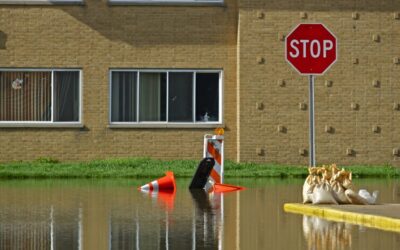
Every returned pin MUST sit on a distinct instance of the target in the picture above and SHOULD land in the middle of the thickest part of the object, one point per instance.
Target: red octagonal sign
(311, 49)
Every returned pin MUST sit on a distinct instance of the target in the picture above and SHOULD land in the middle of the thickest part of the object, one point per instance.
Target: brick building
(91, 79)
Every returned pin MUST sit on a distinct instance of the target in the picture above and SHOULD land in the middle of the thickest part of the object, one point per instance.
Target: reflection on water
(46, 228)
(112, 214)
(323, 234)
(160, 229)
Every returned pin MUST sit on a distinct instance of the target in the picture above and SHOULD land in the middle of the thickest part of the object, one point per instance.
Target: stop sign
(311, 49)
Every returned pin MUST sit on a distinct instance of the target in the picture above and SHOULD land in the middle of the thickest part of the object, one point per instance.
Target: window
(41, 1)
(152, 96)
(165, 97)
(40, 96)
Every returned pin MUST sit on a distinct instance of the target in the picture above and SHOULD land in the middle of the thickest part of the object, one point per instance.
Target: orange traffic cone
(164, 183)
(165, 198)
(223, 188)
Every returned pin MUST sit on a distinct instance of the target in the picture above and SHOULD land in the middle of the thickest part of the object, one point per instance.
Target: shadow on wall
(3, 40)
(318, 5)
(159, 25)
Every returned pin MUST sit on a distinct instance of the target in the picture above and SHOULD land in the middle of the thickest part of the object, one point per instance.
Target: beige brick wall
(97, 37)
(261, 24)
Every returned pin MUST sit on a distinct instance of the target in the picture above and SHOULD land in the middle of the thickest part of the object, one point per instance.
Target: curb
(368, 220)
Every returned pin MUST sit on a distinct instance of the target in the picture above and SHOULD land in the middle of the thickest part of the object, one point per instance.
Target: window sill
(41, 125)
(42, 2)
(166, 3)
(170, 125)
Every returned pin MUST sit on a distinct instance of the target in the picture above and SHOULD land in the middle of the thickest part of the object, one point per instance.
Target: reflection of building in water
(198, 227)
(66, 228)
(207, 225)
(323, 234)
(141, 227)
(49, 228)
(23, 235)
(123, 232)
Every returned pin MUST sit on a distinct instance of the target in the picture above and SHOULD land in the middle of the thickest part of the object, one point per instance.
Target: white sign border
(336, 48)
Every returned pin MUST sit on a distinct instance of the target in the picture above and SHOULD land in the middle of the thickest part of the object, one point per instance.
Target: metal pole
(312, 122)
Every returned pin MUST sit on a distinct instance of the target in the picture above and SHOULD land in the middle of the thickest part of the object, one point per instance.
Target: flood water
(113, 214)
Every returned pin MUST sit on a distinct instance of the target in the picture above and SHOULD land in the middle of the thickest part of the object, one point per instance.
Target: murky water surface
(113, 214)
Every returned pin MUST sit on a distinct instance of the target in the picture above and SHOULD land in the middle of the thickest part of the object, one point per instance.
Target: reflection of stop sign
(311, 49)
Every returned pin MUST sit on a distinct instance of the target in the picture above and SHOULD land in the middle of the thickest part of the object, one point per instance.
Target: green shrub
(47, 160)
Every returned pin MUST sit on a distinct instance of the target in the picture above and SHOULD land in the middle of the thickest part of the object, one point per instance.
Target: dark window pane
(66, 96)
(152, 97)
(123, 97)
(25, 96)
(180, 106)
(207, 97)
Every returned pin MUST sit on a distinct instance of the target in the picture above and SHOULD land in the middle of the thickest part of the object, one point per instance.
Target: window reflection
(37, 228)
(157, 225)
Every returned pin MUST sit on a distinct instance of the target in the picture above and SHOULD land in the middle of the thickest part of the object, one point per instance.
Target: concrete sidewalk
(385, 216)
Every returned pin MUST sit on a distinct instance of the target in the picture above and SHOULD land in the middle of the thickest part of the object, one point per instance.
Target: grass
(146, 167)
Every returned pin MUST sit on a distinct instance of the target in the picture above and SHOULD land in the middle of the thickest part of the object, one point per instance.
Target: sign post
(311, 50)
(312, 122)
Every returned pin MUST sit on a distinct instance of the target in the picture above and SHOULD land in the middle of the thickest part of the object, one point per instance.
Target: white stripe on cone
(145, 187)
(155, 185)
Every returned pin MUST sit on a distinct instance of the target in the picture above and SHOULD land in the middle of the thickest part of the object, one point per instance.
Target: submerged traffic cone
(164, 183)
(222, 188)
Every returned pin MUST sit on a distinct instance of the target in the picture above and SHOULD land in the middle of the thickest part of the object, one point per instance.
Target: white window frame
(50, 123)
(167, 124)
(167, 2)
(41, 2)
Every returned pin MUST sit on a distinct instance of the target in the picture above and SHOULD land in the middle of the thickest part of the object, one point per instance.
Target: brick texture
(260, 35)
(97, 37)
(245, 39)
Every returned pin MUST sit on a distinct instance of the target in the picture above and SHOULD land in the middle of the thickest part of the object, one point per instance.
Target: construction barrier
(225, 188)
(214, 148)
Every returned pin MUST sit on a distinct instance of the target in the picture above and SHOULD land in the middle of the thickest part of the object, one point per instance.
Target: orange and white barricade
(214, 148)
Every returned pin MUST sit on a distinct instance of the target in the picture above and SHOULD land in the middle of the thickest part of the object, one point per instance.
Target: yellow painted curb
(368, 220)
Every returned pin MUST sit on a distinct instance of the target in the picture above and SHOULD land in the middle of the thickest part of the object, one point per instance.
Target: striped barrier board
(214, 148)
